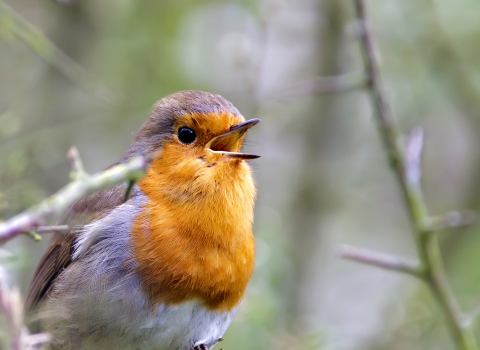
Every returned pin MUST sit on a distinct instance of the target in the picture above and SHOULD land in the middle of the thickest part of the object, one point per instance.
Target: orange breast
(194, 237)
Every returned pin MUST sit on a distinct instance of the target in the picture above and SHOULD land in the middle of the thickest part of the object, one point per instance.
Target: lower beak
(229, 143)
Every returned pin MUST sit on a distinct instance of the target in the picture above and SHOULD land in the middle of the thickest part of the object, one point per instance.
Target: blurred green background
(323, 178)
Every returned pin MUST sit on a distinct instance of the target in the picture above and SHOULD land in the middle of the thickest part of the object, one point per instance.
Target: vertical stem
(424, 234)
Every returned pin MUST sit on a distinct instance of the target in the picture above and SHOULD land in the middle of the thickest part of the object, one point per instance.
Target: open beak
(229, 143)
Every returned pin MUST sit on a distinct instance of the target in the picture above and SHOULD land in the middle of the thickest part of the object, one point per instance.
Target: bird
(167, 267)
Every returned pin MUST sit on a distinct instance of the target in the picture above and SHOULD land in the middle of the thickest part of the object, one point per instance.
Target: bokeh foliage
(322, 179)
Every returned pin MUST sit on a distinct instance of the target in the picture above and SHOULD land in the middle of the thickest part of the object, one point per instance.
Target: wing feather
(59, 253)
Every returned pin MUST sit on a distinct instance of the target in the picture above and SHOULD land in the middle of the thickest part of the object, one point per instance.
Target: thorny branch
(407, 168)
(82, 185)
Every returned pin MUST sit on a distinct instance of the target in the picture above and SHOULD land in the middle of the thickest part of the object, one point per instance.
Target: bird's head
(198, 138)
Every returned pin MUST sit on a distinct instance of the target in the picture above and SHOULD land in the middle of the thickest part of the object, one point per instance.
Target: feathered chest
(195, 242)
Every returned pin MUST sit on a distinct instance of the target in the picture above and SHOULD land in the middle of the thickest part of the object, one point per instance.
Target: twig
(325, 85)
(80, 187)
(128, 190)
(34, 232)
(50, 229)
(11, 306)
(382, 260)
(426, 239)
(453, 219)
(76, 164)
(14, 26)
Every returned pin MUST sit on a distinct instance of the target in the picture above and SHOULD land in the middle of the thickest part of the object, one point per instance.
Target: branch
(34, 232)
(325, 85)
(407, 171)
(382, 260)
(49, 229)
(82, 185)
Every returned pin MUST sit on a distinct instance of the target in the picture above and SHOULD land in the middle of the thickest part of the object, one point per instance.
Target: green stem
(424, 233)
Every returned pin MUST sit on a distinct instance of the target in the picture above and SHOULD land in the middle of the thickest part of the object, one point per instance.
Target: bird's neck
(194, 237)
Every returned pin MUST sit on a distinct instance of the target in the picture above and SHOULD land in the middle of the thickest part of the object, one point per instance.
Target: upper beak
(228, 144)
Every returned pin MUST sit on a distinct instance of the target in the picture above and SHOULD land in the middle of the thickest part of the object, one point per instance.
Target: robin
(167, 268)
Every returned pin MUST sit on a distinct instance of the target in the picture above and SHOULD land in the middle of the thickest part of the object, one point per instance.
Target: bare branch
(382, 260)
(34, 232)
(50, 229)
(81, 187)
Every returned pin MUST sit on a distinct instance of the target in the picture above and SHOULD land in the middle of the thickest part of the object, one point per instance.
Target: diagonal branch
(407, 171)
(81, 186)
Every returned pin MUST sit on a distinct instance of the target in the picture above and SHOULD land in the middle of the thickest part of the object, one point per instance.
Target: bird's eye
(186, 135)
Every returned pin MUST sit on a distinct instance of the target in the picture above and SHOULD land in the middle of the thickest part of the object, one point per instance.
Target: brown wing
(58, 255)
